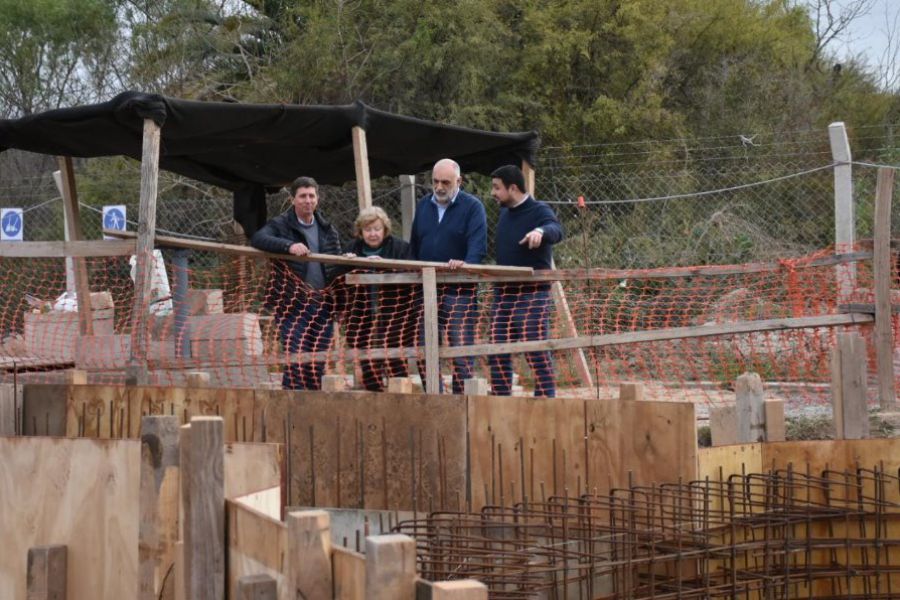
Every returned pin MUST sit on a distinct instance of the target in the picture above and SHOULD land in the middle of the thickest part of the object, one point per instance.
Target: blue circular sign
(11, 223)
(114, 219)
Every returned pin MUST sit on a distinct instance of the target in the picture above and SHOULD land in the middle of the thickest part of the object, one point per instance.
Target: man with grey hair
(451, 226)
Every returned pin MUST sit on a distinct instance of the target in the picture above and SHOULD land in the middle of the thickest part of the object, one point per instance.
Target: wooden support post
(204, 519)
(884, 336)
(723, 426)
(10, 400)
(632, 392)
(775, 429)
(146, 233)
(844, 211)
(430, 317)
(476, 386)
(334, 383)
(74, 233)
(197, 379)
(390, 567)
(461, 589)
(407, 203)
(848, 387)
(751, 418)
(399, 385)
(361, 164)
(158, 503)
(46, 573)
(257, 587)
(528, 172)
(309, 555)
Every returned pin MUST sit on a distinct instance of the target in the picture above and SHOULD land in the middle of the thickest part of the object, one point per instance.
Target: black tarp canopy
(247, 148)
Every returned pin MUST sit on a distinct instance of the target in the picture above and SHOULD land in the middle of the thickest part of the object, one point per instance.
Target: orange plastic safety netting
(686, 332)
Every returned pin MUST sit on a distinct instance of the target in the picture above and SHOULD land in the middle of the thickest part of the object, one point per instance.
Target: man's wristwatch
(540, 230)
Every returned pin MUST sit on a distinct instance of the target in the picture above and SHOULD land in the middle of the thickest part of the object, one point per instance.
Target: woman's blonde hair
(370, 215)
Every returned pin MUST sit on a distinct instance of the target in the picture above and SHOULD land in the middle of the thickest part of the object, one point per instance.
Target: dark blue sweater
(461, 234)
(515, 223)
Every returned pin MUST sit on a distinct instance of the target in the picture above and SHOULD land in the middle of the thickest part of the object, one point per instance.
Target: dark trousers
(366, 330)
(457, 315)
(307, 328)
(521, 317)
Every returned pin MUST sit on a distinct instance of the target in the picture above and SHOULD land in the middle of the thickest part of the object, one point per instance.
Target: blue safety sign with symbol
(114, 217)
(11, 224)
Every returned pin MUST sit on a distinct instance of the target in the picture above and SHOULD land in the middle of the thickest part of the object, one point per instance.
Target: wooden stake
(476, 386)
(257, 587)
(74, 233)
(309, 555)
(46, 573)
(631, 392)
(144, 252)
(204, 522)
(390, 567)
(751, 418)
(884, 337)
(461, 589)
(158, 508)
(848, 387)
(775, 430)
(361, 164)
(723, 425)
(432, 366)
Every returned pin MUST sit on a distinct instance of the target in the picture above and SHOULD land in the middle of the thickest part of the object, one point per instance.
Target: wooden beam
(723, 426)
(89, 248)
(775, 429)
(158, 504)
(257, 587)
(46, 573)
(751, 416)
(848, 385)
(361, 165)
(603, 274)
(656, 335)
(146, 232)
(309, 554)
(204, 519)
(884, 336)
(673, 333)
(568, 324)
(390, 567)
(407, 203)
(631, 392)
(528, 172)
(232, 249)
(461, 589)
(74, 233)
(430, 324)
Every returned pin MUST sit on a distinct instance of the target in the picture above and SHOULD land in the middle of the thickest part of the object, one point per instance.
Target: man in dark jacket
(526, 232)
(450, 226)
(303, 310)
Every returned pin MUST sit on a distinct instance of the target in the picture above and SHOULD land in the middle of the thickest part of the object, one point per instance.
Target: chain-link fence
(639, 205)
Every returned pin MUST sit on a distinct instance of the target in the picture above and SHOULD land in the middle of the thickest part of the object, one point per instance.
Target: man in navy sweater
(450, 226)
(526, 232)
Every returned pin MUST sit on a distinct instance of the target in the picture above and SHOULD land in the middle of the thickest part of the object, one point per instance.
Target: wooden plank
(10, 405)
(631, 392)
(361, 166)
(56, 249)
(80, 493)
(47, 573)
(399, 385)
(267, 502)
(723, 425)
(184, 508)
(573, 444)
(407, 204)
(729, 460)
(851, 416)
(74, 233)
(390, 567)
(673, 333)
(158, 528)
(252, 467)
(257, 587)
(349, 574)
(309, 555)
(430, 325)
(257, 544)
(476, 386)
(236, 250)
(775, 428)
(837, 455)
(883, 275)
(528, 172)
(751, 418)
(144, 250)
(461, 589)
(44, 409)
(606, 274)
(204, 523)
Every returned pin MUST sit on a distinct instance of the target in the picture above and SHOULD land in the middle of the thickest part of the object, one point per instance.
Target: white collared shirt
(442, 208)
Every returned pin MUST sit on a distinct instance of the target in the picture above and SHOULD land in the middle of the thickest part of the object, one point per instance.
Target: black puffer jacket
(277, 236)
